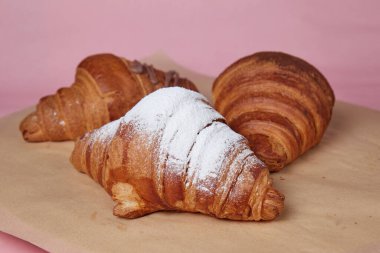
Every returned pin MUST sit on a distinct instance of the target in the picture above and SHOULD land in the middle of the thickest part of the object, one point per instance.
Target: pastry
(173, 151)
(105, 88)
(279, 102)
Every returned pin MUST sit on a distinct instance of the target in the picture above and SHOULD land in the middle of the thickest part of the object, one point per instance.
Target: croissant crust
(105, 88)
(279, 102)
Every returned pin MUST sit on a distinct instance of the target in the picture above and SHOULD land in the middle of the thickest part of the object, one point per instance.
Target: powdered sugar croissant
(173, 151)
(105, 88)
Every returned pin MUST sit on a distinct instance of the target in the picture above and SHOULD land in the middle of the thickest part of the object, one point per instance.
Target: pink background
(42, 41)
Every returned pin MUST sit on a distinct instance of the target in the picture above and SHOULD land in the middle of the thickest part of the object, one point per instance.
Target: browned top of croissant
(105, 88)
(281, 103)
(173, 151)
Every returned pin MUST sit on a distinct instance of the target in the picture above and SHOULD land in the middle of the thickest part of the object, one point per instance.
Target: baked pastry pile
(156, 149)
(105, 88)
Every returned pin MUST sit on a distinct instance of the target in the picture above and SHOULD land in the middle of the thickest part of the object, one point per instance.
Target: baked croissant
(173, 151)
(279, 102)
(105, 88)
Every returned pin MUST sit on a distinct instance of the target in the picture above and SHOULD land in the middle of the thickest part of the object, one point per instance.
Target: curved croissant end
(273, 204)
(31, 129)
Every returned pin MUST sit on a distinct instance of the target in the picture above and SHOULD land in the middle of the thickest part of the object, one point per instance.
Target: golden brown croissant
(173, 151)
(105, 88)
(279, 102)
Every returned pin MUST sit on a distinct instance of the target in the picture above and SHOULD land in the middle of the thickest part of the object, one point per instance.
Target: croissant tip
(273, 204)
(31, 130)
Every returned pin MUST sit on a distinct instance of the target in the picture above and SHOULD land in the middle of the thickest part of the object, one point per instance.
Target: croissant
(173, 151)
(279, 102)
(105, 88)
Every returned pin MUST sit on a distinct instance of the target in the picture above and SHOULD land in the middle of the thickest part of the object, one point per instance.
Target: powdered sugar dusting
(106, 132)
(210, 153)
(151, 113)
(238, 162)
(182, 129)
